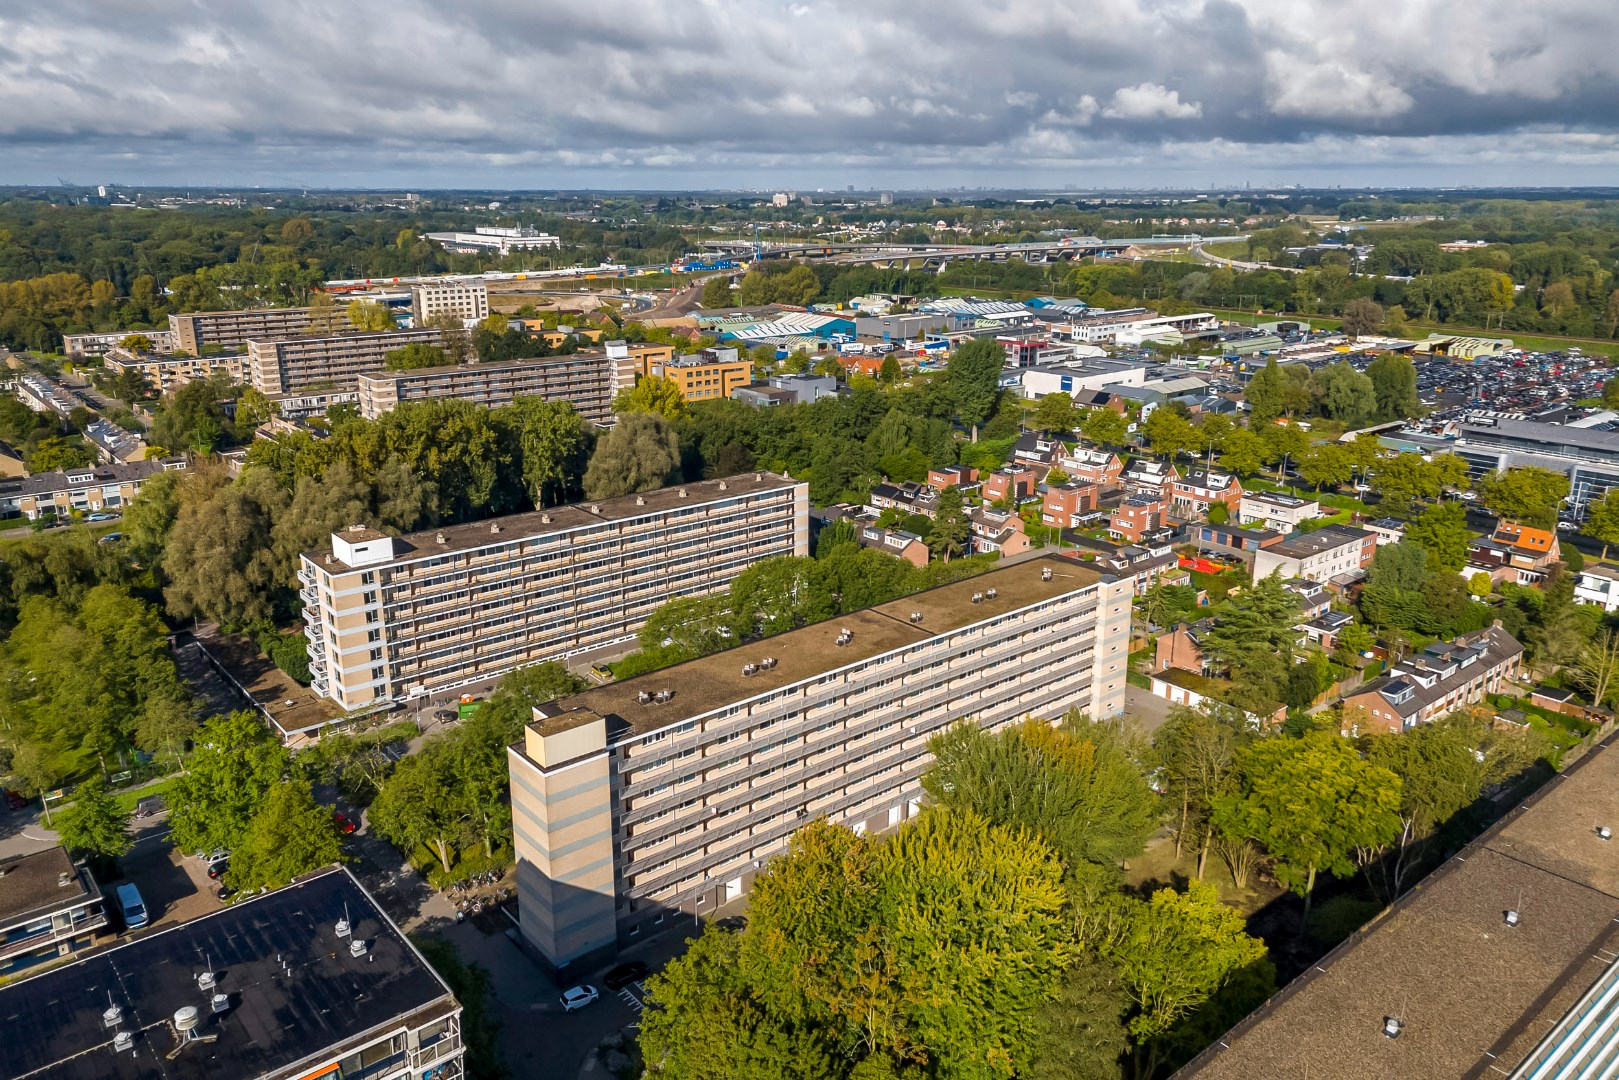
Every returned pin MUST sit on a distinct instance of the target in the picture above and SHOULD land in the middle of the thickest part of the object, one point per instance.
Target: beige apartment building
(641, 805)
(164, 373)
(588, 380)
(195, 330)
(281, 366)
(398, 617)
(465, 300)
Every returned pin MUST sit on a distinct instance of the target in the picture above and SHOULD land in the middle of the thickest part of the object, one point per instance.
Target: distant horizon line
(1044, 191)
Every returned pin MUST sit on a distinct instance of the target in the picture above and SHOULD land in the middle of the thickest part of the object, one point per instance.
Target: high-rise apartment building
(588, 380)
(465, 300)
(287, 364)
(640, 804)
(230, 329)
(395, 617)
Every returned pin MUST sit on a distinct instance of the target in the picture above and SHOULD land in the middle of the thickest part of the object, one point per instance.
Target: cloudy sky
(809, 93)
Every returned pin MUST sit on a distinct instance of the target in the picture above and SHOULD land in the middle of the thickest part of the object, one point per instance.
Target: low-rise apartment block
(196, 330)
(467, 300)
(283, 365)
(164, 372)
(1137, 517)
(398, 617)
(312, 980)
(306, 403)
(640, 804)
(1336, 553)
(1444, 677)
(46, 395)
(1091, 466)
(587, 380)
(79, 346)
(87, 490)
(1063, 505)
(1011, 482)
(1274, 510)
(701, 376)
(49, 907)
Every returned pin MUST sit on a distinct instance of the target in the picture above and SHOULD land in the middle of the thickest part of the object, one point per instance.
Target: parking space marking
(628, 997)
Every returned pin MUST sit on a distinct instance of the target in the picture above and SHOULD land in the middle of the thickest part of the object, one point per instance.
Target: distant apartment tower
(195, 330)
(640, 805)
(395, 617)
(587, 380)
(75, 346)
(164, 372)
(465, 300)
(280, 366)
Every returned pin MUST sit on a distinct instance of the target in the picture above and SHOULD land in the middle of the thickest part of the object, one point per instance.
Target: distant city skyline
(823, 93)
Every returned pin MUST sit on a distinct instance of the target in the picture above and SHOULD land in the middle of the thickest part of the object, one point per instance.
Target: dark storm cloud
(524, 92)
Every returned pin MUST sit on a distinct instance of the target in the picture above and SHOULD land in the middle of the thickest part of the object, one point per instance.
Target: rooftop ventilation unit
(494, 526)
(206, 981)
(595, 508)
(644, 697)
(663, 696)
(768, 662)
(758, 476)
(750, 669)
(1045, 573)
(1392, 1027)
(682, 493)
(916, 616)
(640, 500)
(990, 594)
(113, 1015)
(123, 1041)
(1605, 833)
(343, 928)
(440, 538)
(978, 598)
(219, 1003)
(844, 637)
(545, 519)
(724, 486)
(1511, 918)
(357, 948)
(186, 1018)
(64, 879)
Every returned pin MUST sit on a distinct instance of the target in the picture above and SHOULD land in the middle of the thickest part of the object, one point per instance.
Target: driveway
(1145, 708)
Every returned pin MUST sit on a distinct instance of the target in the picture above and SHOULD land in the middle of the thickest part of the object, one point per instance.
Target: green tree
(1106, 427)
(370, 316)
(1197, 748)
(193, 417)
(1324, 465)
(972, 379)
(717, 292)
(778, 594)
(1169, 433)
(553, 446)
(58, 452)
(1480, 584)
(950, 530)
(656, 395)
(1526, 494)
(416, 355)
(1344, 394)
(290, 835)
(640, 453)
(1055, 413)
(1254, 636)
(1245, 453)
(1362, 316)
(1312, 803)
(419, 806)
(136, 343)
(93, 823)
(1080, 1033)
(1166, 605)
(1442, 530)
(219, 558)
(473, 988)
(1265, 394)
(236, 762)
(1394, 385)
(890, 372)
(1602, 515)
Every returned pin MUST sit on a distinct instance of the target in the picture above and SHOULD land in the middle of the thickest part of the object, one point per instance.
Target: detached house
(1090, 466)
(999, 531)
(1190, 496)
(908, 498)
(1147, 478)
(1138, 516)
(952, 476)
(1445, 676)
(1515, 553)
(1011, 482)
(895, 542)
(1062, 505)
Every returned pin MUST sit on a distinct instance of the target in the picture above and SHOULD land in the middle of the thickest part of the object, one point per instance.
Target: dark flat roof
(711, 682)
(1474, 995)
(1302, 545)
(28, 884)
(53, 1026)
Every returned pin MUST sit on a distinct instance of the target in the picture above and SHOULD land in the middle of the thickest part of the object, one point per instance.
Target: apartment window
(373, 635)
(376, 654)
(376, 674)
(368, 578)
(370, 596)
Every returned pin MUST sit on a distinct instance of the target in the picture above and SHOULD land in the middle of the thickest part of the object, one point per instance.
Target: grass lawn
(1157, 867)
(128, 799)
(1218, 585)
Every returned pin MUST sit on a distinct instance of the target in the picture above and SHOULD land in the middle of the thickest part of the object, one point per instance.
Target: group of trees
(1006, 892)
(1386, 390)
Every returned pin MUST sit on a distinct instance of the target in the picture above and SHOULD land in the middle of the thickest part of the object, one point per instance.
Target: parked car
(224, 892)
(344, 825)
(111, 538)
(217, 870)
(624, 974)
(444, 716)
(577, 997)
(131, 906)
(101, 515)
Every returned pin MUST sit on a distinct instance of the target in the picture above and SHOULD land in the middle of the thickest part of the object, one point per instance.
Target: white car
(1566, 526)
(578, 997)
(1469, 496)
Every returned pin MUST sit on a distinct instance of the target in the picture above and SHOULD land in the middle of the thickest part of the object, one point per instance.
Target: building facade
(1137, 517)
(196, 330)
(1598, 585)
(164, 372)
(1273, 510)
(398, 617)
(78, 346)
(1444, 677)
(641, 804)
(49, 907)
(284, 365)
(1337, 551)
(467, 300)
(1190, 496)
(702, 376)
(587, 380)
(88, 490)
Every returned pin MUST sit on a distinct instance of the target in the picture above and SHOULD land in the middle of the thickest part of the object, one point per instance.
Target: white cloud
(1328, 89)
(1150, 101)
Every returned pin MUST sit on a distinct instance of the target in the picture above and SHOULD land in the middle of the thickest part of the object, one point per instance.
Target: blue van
(131, 906)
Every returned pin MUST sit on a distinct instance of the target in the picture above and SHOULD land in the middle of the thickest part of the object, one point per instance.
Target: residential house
(1092, 466)
(1145, 565)
(1196, 691)
(906, 497)
(895, 542)
(1043, 448)
(12, 462)
(113, 444)
(1137, 517)
(1598, 585)
(1323, 630)
(1336, 553)
(1444, 677)
(49, 907)
(1191, 495)
(1314, 600)
(1062, 505)
(1388, 530)
(1148, 477)
(1514, 553)
(1274, 510)
(1181, 648)
(963, 476)
(1013, 482)
(998, 531)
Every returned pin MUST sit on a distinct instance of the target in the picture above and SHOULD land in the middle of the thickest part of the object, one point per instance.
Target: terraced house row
(639, 805)
(396, 617)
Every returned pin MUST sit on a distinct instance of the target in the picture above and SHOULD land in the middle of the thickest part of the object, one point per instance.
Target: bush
(463, 866)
